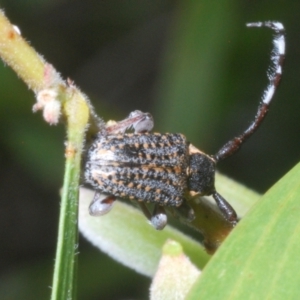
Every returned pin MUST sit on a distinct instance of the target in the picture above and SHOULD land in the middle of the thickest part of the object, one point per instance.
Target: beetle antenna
(274, 74)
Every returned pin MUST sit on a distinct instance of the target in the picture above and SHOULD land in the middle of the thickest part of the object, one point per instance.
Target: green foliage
(259, 260)
(212, 74)
(125, 235)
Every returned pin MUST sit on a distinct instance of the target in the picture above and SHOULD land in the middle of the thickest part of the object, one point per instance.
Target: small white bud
(52, 112)
(47, 101)
(175, 274)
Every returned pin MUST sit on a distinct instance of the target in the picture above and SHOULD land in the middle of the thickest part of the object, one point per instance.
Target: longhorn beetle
(164, 168)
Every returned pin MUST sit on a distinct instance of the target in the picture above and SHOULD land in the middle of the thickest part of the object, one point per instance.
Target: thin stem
(55, 97)
(65, 274)
(66, 261)
(23, 59)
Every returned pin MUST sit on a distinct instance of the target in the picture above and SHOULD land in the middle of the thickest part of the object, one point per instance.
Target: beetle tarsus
(101, 205)
(158, 218)
(139, 121)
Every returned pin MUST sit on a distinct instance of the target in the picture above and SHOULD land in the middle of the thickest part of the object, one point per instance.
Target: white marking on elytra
(103, 154)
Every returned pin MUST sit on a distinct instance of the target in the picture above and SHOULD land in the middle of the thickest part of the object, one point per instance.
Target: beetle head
(201, 174)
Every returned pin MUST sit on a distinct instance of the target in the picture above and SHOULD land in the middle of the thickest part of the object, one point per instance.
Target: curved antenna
(274, 74)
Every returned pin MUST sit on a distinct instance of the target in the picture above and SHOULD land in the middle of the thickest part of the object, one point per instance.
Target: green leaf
(260, 259)
(126, 236)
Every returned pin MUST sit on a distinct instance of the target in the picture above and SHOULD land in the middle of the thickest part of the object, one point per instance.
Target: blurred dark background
(192, 64)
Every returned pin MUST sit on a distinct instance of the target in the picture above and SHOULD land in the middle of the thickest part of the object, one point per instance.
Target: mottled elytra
(165, 168)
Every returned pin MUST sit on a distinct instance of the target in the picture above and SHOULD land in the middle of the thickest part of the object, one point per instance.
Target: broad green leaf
(125, 235)
(260, 259)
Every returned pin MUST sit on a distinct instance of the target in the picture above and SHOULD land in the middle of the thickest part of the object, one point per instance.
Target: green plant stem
(20, 56)
(66, 261)
(64, 276)
(40, 76)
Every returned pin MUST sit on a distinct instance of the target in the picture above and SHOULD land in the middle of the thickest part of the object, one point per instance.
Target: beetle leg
(139, 121)
(101, 205)
(184, 212)
(145, 122)
(226, 209)
(158, 218)
(145, 210)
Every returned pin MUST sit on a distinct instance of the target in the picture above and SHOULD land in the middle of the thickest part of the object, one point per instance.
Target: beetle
(165, 169)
